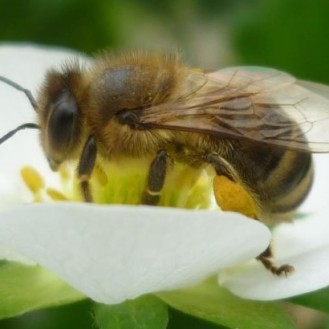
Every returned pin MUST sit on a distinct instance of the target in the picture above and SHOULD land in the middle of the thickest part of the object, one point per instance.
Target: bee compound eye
(63, 125)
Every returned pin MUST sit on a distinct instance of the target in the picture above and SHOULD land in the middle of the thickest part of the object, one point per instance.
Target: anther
(32, 179)
(56, 195)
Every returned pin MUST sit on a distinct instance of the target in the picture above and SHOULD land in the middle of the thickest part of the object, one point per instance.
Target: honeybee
(255, 126)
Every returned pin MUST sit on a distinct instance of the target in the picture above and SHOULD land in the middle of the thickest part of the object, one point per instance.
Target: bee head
(59, 115)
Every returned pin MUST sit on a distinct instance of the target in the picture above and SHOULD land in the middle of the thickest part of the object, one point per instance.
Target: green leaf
(180, 320)
(212, 303)
(318, 300)
(77, 315)
(147, 312)
(26, 288)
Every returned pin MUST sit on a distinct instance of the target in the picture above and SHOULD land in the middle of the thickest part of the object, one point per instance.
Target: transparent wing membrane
(258, 104)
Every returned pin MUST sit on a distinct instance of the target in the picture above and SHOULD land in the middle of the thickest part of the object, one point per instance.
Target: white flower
(303, 244)
(114, 253)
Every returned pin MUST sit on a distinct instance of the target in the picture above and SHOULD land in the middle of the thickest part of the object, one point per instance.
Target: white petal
(10, 255)
(113, 253)
(25, 65)
(303, 244)
(318, 197)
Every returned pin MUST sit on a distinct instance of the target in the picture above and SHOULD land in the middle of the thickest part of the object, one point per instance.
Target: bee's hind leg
(85, 167)
(266, 259)
(229, 193)
(155, 179)
(232, 196)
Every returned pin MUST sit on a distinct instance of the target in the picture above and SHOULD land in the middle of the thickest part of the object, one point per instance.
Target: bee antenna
(14, 131)
(20, 88)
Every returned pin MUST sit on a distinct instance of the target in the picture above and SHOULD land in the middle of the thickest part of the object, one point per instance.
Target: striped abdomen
(279, 179)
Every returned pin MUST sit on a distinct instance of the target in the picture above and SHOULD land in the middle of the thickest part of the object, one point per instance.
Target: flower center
(36, 184)
(123, 183)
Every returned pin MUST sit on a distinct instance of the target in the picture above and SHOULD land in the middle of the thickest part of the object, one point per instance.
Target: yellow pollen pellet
(231, 196)
(56, 195)
(32, 179)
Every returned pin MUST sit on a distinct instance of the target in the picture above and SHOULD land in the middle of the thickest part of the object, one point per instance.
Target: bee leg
(265, 259)
(221, 166)
(155, 180)
(232, 196)
(85, 167)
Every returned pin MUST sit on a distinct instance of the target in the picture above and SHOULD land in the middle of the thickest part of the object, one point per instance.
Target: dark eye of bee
(63, 123)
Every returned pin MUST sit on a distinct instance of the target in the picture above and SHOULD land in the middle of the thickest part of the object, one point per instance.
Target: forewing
(259, 104)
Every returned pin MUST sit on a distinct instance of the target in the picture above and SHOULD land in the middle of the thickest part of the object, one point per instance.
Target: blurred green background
(292, 35)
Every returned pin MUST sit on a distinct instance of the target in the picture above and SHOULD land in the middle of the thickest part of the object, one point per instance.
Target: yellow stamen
(56, 195)
(100, 175)
(64, 172)
(32, 179)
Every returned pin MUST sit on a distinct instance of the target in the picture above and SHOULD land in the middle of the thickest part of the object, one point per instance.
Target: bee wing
(253, 103)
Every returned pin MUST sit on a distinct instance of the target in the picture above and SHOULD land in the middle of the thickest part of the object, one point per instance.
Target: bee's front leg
(155, 179)
(85, 167)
